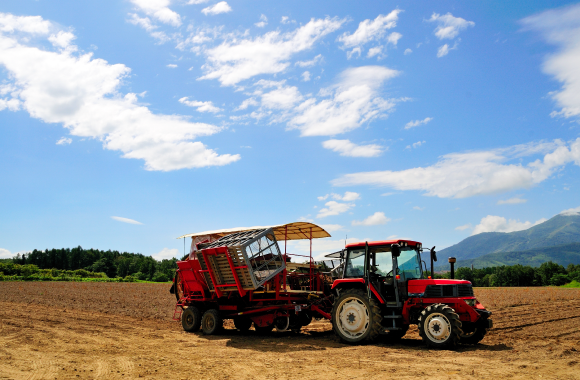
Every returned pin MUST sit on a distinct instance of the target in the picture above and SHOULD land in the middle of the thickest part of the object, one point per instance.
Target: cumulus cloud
(511, 201)
(221, 7)
(376, 219)
(306, 76)
(378, 51)
(445, 49)
(348, 196)
(5, 254)
(334, 208)
(172, 65)
(349, 149)
(415, 145)
(416, 123)
(352, 102)
(310, 63)
(464, 227)
(82, 93)
(492, 223)
(167, 254)
(449, 26)
(332, 227)
(461, 175)
(372, 30)
(263, 21)
(281, 97)
(239, 59)
(125, 220)
(408, 51)
(159, 9)
(571, 211)
(200, 106)
(145, 23)
(64, 141)
(561, 27)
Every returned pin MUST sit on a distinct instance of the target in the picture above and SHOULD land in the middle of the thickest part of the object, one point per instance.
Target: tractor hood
(419, 286)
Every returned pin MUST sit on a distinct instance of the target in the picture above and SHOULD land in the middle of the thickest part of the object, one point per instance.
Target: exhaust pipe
(452, 261)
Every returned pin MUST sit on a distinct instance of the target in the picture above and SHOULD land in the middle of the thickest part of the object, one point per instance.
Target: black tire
(355, 318)
(439, 326)
(191, 319)
(475, 334)
(264, 330)
(211, 322)
(242, 323)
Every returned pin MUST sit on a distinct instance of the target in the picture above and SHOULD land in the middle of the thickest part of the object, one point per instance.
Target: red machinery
(377, 288)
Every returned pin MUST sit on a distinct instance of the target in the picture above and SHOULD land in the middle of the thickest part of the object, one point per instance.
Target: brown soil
(119, 331)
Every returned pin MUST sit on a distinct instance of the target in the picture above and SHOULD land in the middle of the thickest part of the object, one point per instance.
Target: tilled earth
(117, 331)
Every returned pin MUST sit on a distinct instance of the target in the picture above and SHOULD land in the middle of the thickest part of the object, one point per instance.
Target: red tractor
(375, 288)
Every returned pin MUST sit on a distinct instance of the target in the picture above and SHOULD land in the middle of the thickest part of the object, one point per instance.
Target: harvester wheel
(355, 318)
(474, 336)
(439, 326)
(242, 323)
(211, 322)
(191, 319)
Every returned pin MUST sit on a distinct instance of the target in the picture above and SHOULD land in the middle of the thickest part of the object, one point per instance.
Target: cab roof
(404, 242)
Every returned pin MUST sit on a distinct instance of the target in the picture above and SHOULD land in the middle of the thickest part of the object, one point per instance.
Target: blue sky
(127, 123)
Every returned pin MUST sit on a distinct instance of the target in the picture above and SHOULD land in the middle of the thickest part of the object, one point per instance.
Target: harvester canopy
(289, 231)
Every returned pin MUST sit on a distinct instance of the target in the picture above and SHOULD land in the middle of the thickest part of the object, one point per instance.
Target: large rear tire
(191, 319)
(439, 326)
(355, 317)
(211, 322)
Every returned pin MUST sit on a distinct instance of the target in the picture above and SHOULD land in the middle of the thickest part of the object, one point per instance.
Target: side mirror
(433, 254)
(396, 250)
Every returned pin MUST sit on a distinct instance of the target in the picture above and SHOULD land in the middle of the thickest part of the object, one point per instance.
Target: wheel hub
(438, 327)
(353, 318)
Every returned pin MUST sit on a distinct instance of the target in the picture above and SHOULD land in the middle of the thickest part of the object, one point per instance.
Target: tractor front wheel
(191, 319)
(211, 322)
(355, 317)
(439, 326)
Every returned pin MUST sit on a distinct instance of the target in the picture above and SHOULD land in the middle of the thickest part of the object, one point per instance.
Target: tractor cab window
(409, 264)
(355, 263)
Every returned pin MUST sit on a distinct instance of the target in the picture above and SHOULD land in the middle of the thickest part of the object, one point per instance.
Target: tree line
(549, 273)
(113, 264)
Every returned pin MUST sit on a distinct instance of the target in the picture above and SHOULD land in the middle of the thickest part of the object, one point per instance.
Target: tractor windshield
(409, 264)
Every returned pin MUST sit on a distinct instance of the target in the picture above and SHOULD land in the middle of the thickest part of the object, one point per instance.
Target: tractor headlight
(471, 302)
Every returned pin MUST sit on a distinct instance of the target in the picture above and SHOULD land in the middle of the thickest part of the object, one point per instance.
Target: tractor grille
(448, 291)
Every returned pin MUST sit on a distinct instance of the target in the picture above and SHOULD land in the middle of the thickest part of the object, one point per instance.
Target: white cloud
(561, 27)
(416, 123)
(145, 23)
(461, 175)
(82, 93)
(310, 63)
(332, 227)
(334, 208)
(221, 7)
(246, 103)
(201, 106)
(320, 247)
(172, 65)
(418, 208)
(449, 26)
(159, 9)
(415, 145)
(5, 254)
(62, 40)
(374, 220)
(445, 49)
(353, 101)
(372, 30)
(492, 223)
(378, 50)
(349, 149)
(167, 254)
(306, 76)
(356, 50)
(192, 2)
(125, 220)
(237, 60)
(511, 201)
(408, 51)
(464, 227)
(34, 25)
(348, 196)
(263, 21)
(282, 97)
(64, 141)
(571, 211)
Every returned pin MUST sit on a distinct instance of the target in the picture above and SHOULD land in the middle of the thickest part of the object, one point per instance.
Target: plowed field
(119, 331)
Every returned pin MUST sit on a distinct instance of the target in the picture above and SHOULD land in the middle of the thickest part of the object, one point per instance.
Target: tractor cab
(383, 289)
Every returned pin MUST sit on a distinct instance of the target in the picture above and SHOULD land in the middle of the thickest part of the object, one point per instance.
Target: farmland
(124, 330)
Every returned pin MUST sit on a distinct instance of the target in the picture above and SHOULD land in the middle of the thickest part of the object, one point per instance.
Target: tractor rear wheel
(211, 322)
(439, 326)
(191, 319)
(475, 334)
(355, 317)
(242, 323)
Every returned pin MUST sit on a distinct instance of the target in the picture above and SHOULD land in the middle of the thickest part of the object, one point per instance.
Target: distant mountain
(561, 230)
(560, 254)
